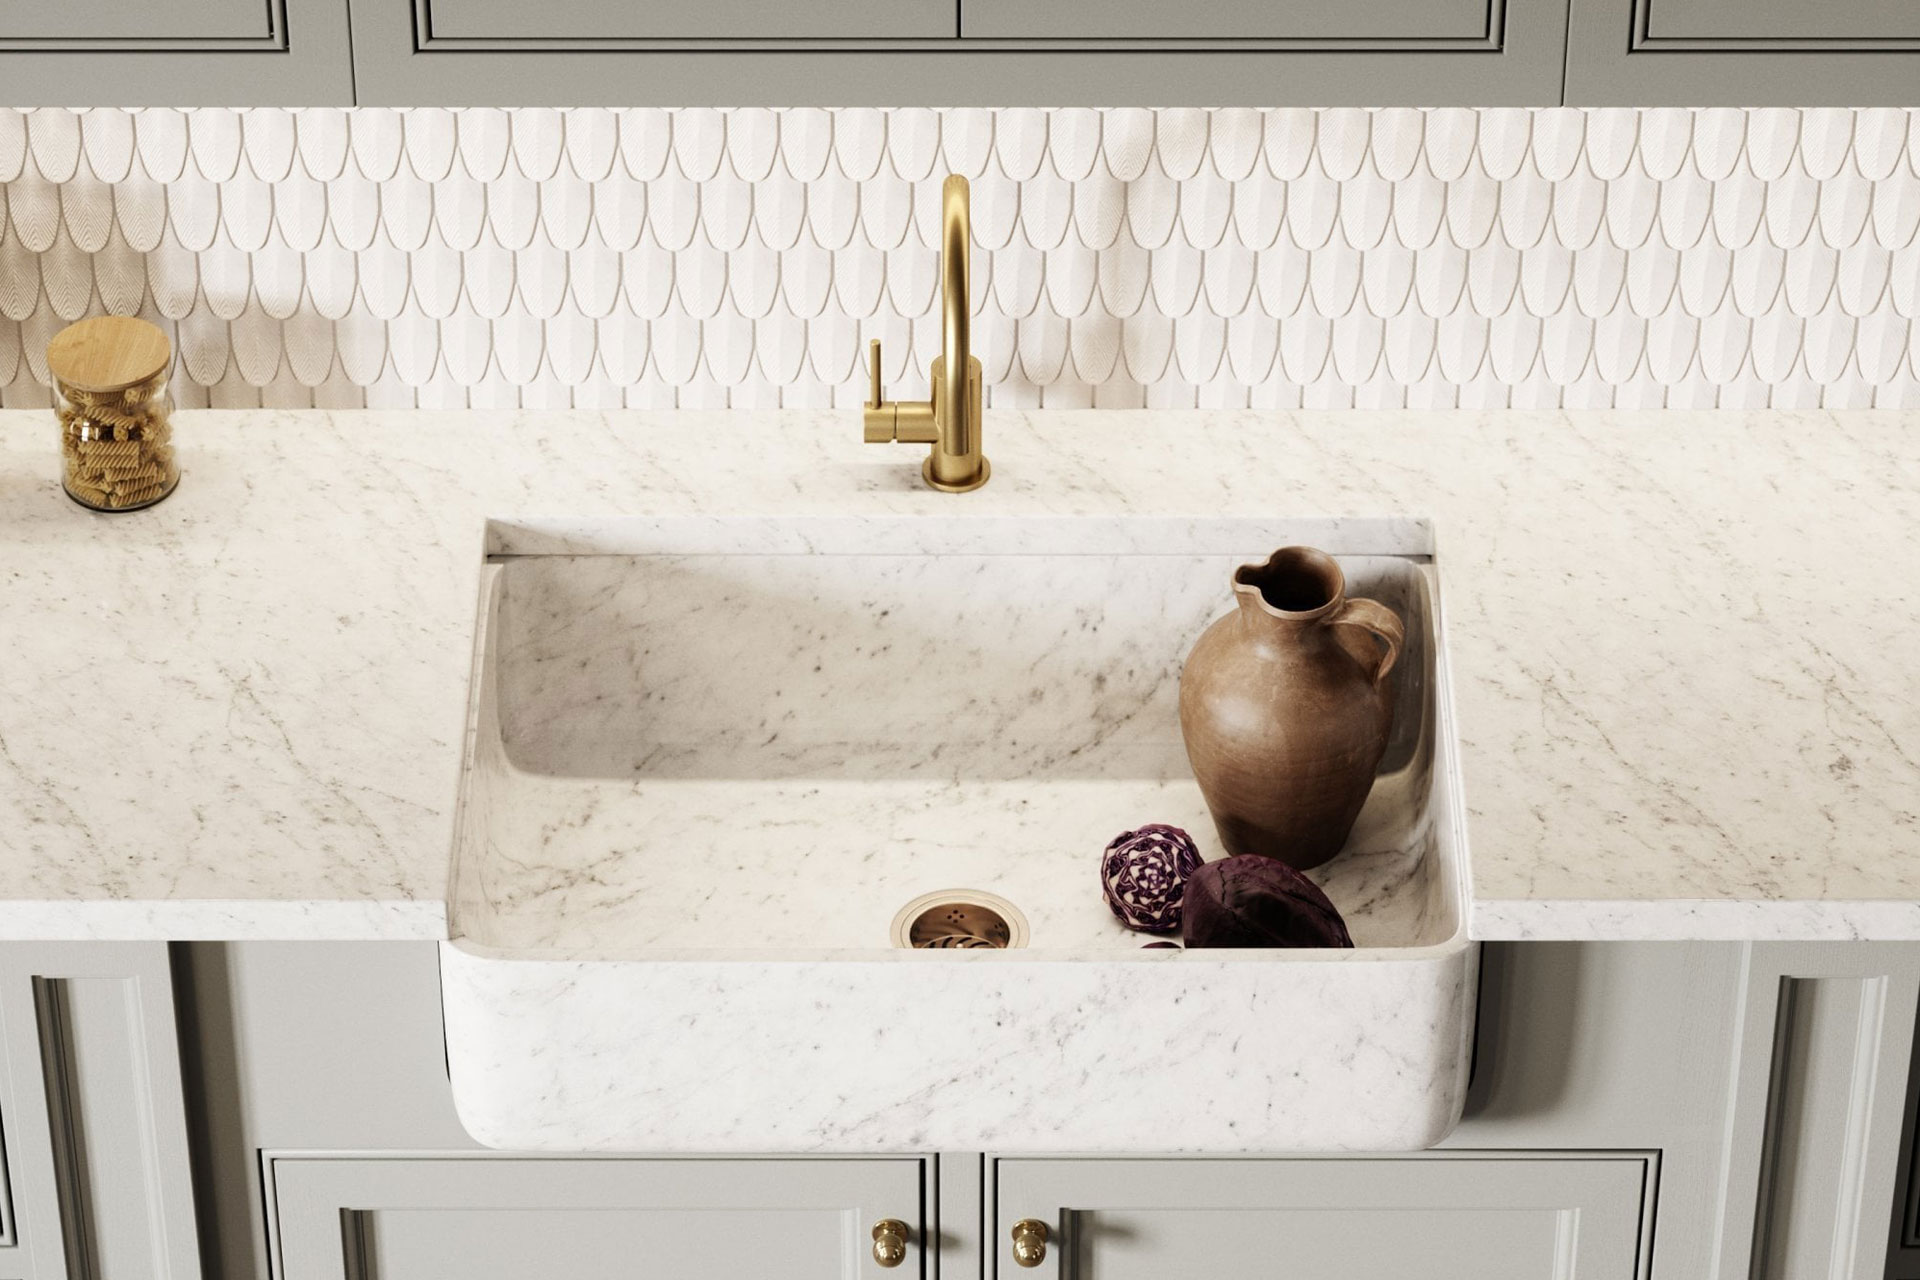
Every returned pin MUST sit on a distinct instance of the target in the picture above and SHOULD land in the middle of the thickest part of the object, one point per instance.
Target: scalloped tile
(1233, 258)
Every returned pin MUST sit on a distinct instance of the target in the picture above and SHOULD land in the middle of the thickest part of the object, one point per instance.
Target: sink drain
(959, 920)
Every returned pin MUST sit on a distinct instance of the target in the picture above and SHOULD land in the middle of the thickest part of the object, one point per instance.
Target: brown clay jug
(1285, 707)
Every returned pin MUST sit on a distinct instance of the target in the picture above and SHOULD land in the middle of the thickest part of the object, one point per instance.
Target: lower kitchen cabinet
(1748, 1097)
(282, 1111)
(1464, 1217)
(488, 1217)
(478, 1217)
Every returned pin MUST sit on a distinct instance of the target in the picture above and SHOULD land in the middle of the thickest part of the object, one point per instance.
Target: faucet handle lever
(908, 422)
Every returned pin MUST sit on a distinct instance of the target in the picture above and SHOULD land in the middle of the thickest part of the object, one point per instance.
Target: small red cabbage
(1253, 901)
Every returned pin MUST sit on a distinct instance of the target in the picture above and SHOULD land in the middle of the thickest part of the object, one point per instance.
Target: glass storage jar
(116, 429)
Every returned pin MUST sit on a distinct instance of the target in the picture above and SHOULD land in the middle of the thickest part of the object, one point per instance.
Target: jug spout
(1296, 584)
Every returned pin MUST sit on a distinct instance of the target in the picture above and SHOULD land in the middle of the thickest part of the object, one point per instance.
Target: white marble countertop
(1683, 644)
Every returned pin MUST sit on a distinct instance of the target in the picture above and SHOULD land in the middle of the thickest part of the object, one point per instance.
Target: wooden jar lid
(108, 353)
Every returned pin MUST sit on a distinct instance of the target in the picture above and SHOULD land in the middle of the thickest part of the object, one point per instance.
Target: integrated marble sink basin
(710, 760)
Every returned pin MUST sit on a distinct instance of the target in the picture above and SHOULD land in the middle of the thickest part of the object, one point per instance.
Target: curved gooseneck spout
(950, 420)
(958, 454)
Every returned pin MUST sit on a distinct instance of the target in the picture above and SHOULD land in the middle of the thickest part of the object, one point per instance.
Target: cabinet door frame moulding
(302, 58)
(272, 40)
(1614, 60)
(1492, 38)
(318, 1203)
(1644, 41)
(399, 62)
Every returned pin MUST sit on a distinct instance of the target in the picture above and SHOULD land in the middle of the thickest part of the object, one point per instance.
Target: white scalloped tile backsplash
(1232, 258)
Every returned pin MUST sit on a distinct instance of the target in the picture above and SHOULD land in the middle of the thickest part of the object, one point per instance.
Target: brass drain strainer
(960, 919)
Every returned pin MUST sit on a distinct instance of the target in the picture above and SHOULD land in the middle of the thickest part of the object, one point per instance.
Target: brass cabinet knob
(889, 1242)
(1029, 1242)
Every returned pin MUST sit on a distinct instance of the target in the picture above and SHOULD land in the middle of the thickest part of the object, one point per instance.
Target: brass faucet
(950, 421)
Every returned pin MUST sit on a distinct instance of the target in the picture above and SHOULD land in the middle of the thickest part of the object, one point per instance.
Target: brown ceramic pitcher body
(1285, 707)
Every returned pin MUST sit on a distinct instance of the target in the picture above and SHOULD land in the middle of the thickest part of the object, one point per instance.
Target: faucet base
(926, 473)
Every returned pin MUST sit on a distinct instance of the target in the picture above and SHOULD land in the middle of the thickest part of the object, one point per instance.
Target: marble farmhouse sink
(711, 760)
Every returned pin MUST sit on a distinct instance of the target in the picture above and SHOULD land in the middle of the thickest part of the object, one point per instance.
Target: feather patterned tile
(1236, 258)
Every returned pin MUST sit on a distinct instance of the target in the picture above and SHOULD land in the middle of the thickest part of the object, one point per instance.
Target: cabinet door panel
(1495, 1218)
(1702, 53)
(182, 53)
(1799, 21)
(1393, 23)
(590, 23)
(598, 1244)
(91, 22)
(472, 1217)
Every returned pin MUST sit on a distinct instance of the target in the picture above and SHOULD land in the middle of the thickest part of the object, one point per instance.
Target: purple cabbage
(1144, 873)
(1251, 901)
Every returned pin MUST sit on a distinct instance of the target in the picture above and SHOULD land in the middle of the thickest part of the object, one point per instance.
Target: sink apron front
(959, 1051)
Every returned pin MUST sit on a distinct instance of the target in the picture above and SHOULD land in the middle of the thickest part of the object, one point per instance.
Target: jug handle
(1381, 622)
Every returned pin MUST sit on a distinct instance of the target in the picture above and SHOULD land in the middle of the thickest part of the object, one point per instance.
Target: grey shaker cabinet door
(960, 52)
(467, 1217)
(96, 1182)
(1698, 53)
(1456, 1218)
(130, 53)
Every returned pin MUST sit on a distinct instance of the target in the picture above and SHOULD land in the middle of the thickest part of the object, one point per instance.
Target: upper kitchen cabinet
(1704, 53)
(131, 53)
(959, 52)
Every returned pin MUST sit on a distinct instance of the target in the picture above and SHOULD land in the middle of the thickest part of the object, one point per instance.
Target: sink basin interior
(772, 748)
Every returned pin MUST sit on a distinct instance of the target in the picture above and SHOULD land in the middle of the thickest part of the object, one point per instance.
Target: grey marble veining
(776, 741)
(1160, 1052)
(703, 780)
(1677, 641)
